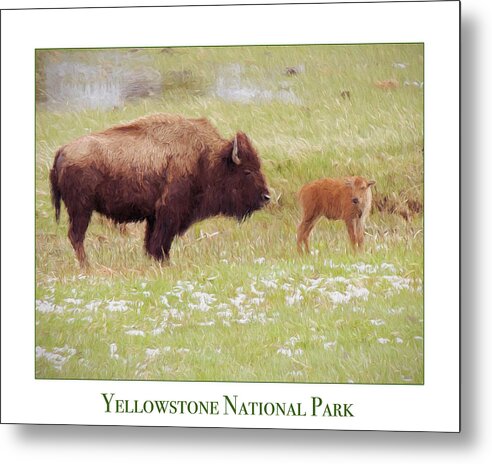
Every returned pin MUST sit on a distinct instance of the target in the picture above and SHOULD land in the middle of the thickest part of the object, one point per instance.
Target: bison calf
(166, 170)
(348, 199)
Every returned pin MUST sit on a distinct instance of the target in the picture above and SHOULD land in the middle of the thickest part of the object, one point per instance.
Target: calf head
(358, 191)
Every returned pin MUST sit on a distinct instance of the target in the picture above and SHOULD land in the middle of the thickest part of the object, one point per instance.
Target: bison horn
(235, 156)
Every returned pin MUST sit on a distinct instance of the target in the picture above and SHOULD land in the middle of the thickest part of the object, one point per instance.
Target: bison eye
(247, 172)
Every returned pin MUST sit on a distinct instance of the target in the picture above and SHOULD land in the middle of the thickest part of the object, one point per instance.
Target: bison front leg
(173, 215)
(160, 236)
(157, 239)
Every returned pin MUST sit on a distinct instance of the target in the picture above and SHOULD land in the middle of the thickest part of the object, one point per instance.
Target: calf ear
(371, 182)
(235, 152)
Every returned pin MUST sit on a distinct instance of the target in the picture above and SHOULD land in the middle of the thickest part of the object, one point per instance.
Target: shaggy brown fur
(163, 169)
(348, 199)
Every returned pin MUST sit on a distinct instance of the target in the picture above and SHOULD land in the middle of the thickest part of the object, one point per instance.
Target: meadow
(237, 302)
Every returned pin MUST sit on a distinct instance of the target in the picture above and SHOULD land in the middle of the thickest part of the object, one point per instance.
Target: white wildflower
(337, 297)
(363, 267)
(395, 310)
(152, 352)
(204, 297)
(388, 267)
(93, 305)
(296, 297)
(227, 313)
(399, 283)
(293, 340)
(58, 357)
(358, 292)
(329, 345)
(262, 319)
(256, 292)
(269, 283)
(135, 332)
(44, 306)
(176, 314)
(285, 352)
(117, 306)
(239, 300)
(314, 283)
(113, 351)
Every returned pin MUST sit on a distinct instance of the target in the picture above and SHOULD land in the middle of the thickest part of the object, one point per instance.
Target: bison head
(240, 187)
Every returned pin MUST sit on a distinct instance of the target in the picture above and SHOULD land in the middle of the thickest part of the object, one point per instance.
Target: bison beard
(162, 169)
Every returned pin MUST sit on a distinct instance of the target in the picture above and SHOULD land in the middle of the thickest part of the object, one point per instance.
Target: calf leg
(352, 231)
(303, 231)
(359, 234)
(76, 233)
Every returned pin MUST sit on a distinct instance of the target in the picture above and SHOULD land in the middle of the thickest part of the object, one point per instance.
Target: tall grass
(236, 302)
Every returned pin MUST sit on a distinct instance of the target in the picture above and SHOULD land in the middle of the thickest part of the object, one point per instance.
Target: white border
(433, 406)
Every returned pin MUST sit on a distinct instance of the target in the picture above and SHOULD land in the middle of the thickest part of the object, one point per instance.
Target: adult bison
(163, 169)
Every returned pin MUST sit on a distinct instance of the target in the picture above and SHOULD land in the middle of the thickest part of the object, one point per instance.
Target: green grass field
(236, 302)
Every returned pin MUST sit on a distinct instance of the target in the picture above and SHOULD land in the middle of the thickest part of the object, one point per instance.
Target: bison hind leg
(149, 230)
(76, 234)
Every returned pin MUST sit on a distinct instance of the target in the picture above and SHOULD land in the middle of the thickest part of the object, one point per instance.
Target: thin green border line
(241, 46)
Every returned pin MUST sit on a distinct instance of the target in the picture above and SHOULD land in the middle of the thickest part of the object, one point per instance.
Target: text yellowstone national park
(229, 405)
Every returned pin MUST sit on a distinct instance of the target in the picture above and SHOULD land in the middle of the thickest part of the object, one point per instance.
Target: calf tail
(55, 189)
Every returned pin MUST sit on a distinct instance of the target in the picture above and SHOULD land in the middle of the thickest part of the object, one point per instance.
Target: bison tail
(55, 190)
